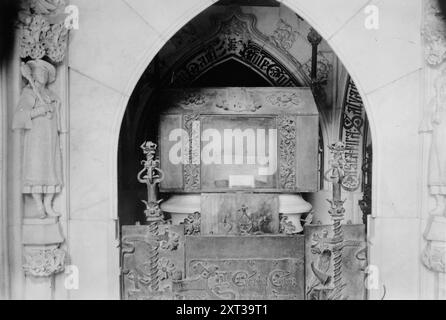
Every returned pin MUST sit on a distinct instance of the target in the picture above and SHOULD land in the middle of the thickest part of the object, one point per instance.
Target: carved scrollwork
(284, 36)
(284, 99)
(43, 262)
(287, 148)
(192, 172)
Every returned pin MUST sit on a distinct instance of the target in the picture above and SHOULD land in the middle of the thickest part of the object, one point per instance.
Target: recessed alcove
(141, 119)
(249, 47)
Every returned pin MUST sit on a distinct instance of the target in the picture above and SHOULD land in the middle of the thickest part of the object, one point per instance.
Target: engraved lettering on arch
(353, 128)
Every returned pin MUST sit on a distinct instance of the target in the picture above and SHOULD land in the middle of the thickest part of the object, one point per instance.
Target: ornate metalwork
(151, 261)
(336, 175)
(366, 203)
(237, 100)
(151, 175)
(434, 33)
(324, 266)
(353, 133)
(192, 172)
(287, 152)
(249, 267)
(284, 99)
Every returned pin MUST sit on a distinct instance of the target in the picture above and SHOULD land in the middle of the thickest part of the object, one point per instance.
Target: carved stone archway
(238, 38)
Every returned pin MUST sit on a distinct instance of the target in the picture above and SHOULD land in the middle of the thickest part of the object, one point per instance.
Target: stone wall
(116, 41)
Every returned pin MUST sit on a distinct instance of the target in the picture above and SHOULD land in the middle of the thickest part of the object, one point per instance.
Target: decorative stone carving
(237, 100)
(38, 115)
(42, 30)
(332, 257)
(284, 99)
(353, 133)
(236, 37)
(434, 33)
(247, 268)
(436, 124)
(192, 176)
(284, 35)
(287, 151)
(314, 37)
(434, 255)
(41, 262)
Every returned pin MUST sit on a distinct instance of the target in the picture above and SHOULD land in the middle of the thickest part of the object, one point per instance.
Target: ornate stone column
(433, 128)
(39, 117)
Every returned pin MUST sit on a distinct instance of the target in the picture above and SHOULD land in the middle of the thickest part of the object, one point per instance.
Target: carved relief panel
(239, 214)
(335, 270)
(246, 268)
(150, 263)
(239, 139)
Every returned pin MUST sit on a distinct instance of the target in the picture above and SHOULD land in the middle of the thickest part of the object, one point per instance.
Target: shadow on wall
(8, 16)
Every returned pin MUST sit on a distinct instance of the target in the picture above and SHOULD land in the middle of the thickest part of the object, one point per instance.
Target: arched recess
(236, 40)
(151, 54)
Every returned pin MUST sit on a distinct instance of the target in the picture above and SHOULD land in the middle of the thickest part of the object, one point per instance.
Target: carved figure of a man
(38, 115)
(437, 157)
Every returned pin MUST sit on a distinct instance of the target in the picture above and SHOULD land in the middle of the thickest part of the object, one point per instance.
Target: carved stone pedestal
(434, 255)
(42, 256)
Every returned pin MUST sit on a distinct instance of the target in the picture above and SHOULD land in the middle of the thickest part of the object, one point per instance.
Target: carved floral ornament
(43, 262)
(434, 33)
(42, 31)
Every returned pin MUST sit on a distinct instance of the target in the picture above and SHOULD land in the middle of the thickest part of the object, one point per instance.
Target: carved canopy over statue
(38, 115)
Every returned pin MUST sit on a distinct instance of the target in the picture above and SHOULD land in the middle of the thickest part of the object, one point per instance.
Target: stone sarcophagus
(238, 139)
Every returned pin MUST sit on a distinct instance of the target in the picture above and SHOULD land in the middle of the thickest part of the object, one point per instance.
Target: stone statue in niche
(38, 115)
(436, 124)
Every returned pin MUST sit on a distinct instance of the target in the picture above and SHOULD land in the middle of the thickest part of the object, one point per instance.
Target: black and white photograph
(239, 151)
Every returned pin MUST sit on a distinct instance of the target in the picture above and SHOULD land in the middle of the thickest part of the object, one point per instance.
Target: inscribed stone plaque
(246, 268)
(151, 261)
(239, 214)
(320, 266)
